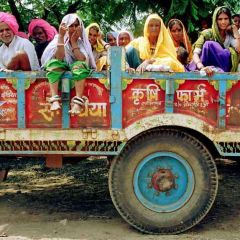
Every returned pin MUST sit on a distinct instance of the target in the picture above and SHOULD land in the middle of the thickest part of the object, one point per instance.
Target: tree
(116, 13)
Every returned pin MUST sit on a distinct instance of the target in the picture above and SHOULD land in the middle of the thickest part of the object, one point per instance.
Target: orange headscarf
(186, 42)
(165, 51)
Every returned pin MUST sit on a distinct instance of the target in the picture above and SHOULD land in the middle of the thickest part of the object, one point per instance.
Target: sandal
(55, 105)
(77, 102)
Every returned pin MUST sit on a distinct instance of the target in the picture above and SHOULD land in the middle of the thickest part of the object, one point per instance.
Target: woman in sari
(180, 39)
(154, 48)
(70, 50)
(124, 38)
(219, 46)
(111, 38)
(99, 47)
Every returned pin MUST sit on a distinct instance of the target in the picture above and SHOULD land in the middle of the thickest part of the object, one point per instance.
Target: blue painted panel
(146, 75)
(17, 74)
(21, 112)
(169, 96)
(65, 100)
(184, 75)
(116, 87)
(222, 104)
(42, 74)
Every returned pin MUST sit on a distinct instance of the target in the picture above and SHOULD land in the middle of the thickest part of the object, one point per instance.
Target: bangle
(198, 63)
(75, 48)
(60, 44)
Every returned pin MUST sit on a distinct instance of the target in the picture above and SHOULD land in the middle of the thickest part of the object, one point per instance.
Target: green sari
(213, 34)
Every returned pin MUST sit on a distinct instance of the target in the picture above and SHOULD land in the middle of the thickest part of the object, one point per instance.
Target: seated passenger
(155, 47)
(70, 50)
(236, 20)
(179, 36)
(124, 38)
(42, 32)
(16, 53)
(219, 46)
(99, 47)
(111, 38)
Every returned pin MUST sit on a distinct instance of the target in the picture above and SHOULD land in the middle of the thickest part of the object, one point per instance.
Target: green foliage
(116, 14)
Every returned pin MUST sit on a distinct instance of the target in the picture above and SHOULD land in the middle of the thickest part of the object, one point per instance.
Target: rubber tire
(122, 189)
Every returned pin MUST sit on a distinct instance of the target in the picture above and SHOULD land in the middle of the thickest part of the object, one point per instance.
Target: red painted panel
(142, 98)
(38, 114)
(8, 105)
(96, 113)
(197, 98)
(233, 106)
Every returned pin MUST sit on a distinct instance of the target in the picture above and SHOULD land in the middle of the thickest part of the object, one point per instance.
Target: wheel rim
(163, 182)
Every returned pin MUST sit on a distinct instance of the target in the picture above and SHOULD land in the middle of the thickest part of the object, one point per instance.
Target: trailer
(161, 131)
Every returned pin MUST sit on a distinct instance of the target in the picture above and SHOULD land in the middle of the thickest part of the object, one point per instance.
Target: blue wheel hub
(163, 181)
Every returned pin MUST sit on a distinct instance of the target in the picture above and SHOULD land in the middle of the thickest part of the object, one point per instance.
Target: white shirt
(18, 44)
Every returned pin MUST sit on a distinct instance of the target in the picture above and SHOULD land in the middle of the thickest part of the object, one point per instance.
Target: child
(182, 55)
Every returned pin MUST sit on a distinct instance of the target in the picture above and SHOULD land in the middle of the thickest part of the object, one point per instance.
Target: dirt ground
(74, 203)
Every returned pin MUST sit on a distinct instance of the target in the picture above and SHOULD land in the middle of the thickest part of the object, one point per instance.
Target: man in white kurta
(16, 53)
(17, 45)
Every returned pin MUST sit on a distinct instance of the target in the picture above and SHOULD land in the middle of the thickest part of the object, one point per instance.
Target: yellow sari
(99, 48)
(186, 42)
(165, 51)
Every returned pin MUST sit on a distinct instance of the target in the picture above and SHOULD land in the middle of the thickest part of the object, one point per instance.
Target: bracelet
(75, 48)
(198, 63)
(60, 44)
